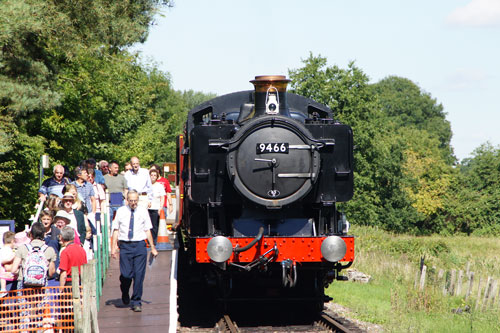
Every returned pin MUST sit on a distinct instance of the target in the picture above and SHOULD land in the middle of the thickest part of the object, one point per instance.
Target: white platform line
(172, 327)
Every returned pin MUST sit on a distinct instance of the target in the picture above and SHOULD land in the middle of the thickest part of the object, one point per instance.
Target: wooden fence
(462, 283)
(85, 305)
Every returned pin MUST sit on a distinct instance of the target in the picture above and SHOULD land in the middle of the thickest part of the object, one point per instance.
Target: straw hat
(62, 214)
(68, 195)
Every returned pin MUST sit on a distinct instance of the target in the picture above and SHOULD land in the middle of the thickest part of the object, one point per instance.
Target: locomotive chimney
(270, 95)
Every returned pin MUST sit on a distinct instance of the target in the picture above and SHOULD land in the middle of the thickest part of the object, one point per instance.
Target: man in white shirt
(131, 227)
(138, 179)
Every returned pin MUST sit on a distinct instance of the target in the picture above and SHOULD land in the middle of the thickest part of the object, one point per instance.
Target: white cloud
(477, 13)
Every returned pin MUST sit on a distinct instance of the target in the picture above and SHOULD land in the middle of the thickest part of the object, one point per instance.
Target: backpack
(35, 267)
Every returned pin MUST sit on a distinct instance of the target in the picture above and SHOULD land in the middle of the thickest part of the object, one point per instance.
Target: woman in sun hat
(77, 219)
(63, 219)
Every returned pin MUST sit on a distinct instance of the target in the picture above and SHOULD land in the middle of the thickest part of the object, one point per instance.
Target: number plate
(272, 147)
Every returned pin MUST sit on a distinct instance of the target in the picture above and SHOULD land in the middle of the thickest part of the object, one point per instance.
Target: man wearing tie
(131, 227)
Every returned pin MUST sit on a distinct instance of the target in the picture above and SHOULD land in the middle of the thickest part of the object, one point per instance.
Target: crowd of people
(73, 205)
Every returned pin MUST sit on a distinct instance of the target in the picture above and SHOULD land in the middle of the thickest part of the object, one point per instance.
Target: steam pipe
(252, 243)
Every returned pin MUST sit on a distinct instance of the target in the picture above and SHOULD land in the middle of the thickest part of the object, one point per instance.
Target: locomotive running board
(299, 249)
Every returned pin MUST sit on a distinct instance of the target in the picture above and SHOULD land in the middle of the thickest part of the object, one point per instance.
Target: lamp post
(44, 163)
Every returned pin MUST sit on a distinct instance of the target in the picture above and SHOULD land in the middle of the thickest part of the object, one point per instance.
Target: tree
(402, 168)
(39, 38)
(473, 203)
(19, 157)
(194, 98)
(53, 56)
(408, 106)
(347, 93)
(105, 98)
(427, 179)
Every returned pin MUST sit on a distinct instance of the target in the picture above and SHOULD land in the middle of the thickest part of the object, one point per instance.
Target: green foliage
(39, 38)
(408, 106)
(402, 157)
(19, 160)
(347, 93)
(427, 178)
(25, 65)
(195, 98)
(473, 202)
(69, 88)
(112, 24)
(105, 99)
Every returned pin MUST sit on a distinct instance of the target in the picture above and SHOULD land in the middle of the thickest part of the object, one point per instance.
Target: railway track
(326, 323)
(225, 324)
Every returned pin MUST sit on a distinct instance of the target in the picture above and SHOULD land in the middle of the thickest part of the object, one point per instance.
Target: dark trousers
(133, 257)
(155, 221)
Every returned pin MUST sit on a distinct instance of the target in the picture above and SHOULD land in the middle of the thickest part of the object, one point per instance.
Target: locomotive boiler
(260, 173)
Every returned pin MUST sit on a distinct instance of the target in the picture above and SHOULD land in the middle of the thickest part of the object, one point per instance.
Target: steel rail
(225, 324)
(333, 324)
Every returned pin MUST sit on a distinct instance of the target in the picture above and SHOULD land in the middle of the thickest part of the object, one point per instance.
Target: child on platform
(6, 260)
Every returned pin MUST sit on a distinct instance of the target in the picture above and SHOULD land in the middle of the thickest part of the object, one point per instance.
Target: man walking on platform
(131, 227)
(117, 187)
(53, 185)
(138, 179)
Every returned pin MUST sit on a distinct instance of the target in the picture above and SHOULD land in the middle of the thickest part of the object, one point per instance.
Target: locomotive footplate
(298, 249)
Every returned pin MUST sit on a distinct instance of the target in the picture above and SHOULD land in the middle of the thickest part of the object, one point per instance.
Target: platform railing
(101, 249)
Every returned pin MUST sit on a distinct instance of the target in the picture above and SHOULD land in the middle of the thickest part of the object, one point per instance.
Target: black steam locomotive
(260, 173)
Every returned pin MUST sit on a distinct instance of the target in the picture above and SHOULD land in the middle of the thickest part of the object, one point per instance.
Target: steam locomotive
(259, 174)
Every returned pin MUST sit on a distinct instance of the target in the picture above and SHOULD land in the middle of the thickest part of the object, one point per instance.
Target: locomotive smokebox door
(272, 162)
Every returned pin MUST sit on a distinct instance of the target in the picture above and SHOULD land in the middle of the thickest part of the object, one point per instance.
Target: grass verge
(390, 298)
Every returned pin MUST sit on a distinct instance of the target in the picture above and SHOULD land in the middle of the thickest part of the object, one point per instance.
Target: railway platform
(155, 316)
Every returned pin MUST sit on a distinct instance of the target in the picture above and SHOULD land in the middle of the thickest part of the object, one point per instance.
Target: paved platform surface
(115, 317)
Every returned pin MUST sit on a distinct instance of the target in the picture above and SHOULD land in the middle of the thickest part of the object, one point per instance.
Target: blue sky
(451, 49)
